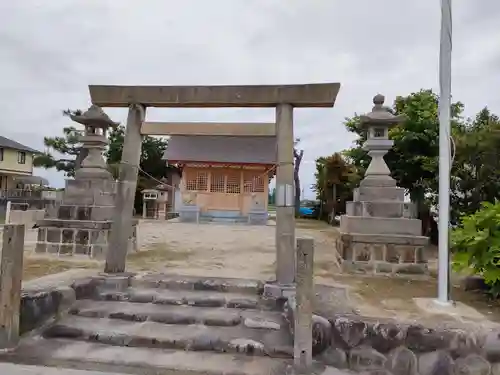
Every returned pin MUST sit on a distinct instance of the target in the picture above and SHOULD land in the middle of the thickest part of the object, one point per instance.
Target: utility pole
(444, 151)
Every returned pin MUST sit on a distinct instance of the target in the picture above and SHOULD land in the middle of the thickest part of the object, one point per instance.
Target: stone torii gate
(137, 98)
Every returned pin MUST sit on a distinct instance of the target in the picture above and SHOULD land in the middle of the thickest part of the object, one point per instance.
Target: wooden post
(11, 274)
(302, 351)
(121, 226)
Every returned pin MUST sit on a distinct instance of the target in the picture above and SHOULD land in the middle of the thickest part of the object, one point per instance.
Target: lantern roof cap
(94, 116)
(380, 114)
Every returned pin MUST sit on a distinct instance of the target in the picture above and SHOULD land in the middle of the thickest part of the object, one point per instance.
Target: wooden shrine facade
(226, 189)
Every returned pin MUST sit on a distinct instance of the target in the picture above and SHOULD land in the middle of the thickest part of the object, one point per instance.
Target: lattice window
(253, 183)
(258, 184)
(196, 180)
(217, 181)
(233, 184)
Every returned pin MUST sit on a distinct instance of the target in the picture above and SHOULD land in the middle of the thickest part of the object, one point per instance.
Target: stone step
(94, 356)
(17, 369)
(185, 297)
(186, 315)
(195, 337)
(178, 282)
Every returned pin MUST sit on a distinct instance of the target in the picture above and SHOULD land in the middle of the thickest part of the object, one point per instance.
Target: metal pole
(444, 150)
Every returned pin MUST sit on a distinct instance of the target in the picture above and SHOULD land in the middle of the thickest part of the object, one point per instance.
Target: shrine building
(224, 178)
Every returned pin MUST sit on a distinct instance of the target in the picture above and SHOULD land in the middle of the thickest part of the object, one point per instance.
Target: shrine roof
(221, 149)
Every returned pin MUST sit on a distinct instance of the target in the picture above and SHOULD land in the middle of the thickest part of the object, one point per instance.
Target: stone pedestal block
(97, 192)
(77, 237)
(189, 214)
(380, 225)
(387, 254)
(258, 217)
(391, 209)
(376, 194)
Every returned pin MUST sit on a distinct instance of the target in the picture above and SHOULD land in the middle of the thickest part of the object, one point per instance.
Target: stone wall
(362, 344)
(387, 347)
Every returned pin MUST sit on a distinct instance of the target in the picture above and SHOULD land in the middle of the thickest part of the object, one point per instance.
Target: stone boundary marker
(11, 275)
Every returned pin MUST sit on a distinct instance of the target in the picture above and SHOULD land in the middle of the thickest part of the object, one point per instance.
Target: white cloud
(51, 51)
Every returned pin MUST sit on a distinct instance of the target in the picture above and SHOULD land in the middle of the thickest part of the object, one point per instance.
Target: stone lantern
(377, 124)
(81, 223)
(380, 232)
(94, 142)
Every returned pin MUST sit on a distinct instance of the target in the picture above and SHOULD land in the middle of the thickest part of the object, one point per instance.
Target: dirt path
(222, 250)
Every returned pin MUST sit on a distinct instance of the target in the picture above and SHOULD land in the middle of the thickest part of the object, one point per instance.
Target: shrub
(476, 245)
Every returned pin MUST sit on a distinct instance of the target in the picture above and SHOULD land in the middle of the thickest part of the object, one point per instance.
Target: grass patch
(376, 289)
(312, 224)
(157, 255)
(35, 268)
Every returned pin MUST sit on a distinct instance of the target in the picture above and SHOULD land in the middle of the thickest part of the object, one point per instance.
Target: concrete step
(178, 282)
(195, 337)
(94, 356)
(189, 298)
(186, 315)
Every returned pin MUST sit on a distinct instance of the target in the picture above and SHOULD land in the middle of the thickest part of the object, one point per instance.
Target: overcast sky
(51, 50)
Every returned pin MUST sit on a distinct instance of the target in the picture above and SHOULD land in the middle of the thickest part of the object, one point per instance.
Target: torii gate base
(284, 98)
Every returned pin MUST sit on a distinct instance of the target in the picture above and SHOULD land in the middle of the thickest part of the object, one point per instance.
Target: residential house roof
(9, 143)
(221, 149)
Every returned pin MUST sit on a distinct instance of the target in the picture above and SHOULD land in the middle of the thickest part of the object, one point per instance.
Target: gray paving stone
(16, 369)
(144, 361)
(158, 335)
(172, 314)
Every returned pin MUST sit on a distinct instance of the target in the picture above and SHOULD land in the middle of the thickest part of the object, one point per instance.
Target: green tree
(335, 182)
(476, 169)
(153, 167)
(68, 146)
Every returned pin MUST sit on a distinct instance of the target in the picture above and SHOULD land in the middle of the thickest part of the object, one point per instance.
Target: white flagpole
(444, 150)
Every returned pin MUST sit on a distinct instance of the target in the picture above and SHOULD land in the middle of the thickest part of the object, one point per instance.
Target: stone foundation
(77, 237)
(368, 253)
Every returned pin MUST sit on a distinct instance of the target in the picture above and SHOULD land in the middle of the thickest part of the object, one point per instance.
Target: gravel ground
(224, 250)
(206, 249)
